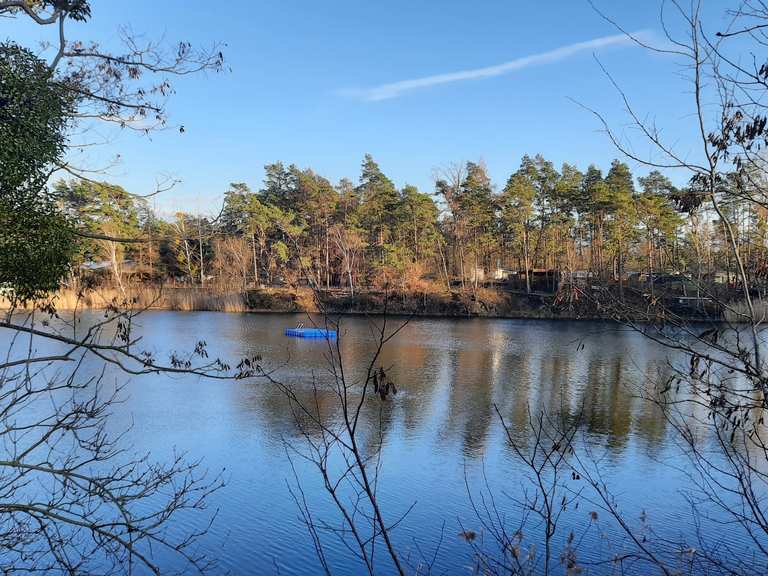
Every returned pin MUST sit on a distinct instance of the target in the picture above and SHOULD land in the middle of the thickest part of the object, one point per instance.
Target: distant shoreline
(483, 303)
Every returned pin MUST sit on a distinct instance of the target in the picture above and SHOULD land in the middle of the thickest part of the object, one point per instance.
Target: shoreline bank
(482, 303)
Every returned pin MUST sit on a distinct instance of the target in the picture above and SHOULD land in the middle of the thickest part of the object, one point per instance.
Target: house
(476, 274)
(719, 277)
(581, 277)
(502, 274)
(541, 279)
(92, 266)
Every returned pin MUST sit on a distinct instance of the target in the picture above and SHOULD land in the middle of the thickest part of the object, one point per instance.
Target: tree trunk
(116, 267)
(200, 249)
(527, 262)
(327, 258)
(256, 262)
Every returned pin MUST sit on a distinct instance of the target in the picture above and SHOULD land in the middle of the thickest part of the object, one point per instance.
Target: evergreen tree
(621, 191)
(478, 209)
(379, 201)
(36, 240)
(517, 216)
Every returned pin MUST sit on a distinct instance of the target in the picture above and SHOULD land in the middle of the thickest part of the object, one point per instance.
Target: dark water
(438, 431)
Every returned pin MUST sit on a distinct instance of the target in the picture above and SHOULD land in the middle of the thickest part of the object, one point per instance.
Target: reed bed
(148, 297)
(738, 312)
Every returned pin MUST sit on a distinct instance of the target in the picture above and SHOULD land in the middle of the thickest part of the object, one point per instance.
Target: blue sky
(322, 83)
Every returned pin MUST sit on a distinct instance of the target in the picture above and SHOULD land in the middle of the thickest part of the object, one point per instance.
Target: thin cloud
(395, 89)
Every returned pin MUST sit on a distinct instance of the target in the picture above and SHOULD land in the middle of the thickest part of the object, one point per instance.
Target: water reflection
(451, 375)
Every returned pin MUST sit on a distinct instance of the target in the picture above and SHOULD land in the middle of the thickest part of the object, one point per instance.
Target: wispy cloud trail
(395, 89)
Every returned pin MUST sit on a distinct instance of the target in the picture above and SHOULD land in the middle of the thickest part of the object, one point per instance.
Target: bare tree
(129, 88)
(719, 418)
(329, 413)
(75, 498)
(232, 260)
(448, 180)
(528, 546)
(349, 243)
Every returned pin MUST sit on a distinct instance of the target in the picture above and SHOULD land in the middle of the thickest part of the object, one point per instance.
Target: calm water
(440, 427)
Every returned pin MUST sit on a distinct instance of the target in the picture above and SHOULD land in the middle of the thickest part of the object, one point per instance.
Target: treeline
(300, 227)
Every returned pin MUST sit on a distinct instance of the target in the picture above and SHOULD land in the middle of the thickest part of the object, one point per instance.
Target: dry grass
(305, 299)
(737, 312)
(184, 299)
(434, 300)
(189, 299)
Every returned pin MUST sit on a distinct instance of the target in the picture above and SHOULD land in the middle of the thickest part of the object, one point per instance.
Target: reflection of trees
(378, 419)
(453, 389)
(593, 403)
(555, 381)
(414, 370)
(649, 421)
(513, 394)
(611, 400)
(619, 405)
(471, 394)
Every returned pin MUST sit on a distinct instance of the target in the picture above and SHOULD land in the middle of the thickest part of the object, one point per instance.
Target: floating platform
(310, 333)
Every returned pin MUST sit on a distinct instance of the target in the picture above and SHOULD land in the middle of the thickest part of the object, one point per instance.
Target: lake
(440, 433)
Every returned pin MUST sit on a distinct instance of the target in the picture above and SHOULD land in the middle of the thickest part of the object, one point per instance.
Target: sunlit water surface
(440, 432)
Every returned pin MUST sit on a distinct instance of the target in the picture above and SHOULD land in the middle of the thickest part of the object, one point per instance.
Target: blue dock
(310, 333)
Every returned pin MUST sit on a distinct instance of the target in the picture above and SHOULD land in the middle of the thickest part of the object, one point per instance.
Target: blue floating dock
(310, 333)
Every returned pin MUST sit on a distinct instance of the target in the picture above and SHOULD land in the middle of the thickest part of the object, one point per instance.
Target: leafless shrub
(75, 498)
